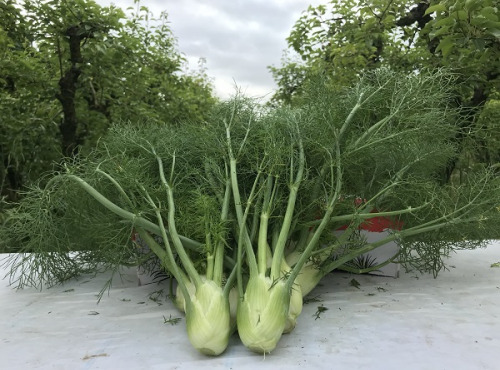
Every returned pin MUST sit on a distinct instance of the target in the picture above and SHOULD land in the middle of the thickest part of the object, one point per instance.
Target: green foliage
(467, 35)
(28, 111)
(390, 152)
(345, 38)
(489, 133)
(77, 66)
(291, 76)
(341, 40)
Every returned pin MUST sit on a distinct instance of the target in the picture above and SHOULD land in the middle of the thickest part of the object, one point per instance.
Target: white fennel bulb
(180, 301)
(296, 301)
(208, 319)
(262, 314)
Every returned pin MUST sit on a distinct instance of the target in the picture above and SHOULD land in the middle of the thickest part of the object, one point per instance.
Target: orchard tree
(69, 69)
(343, 39)
(64, 35)
(29, 111)
(346, 38)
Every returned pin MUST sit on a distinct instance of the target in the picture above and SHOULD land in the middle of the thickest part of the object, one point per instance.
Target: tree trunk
(69, 124)
(11, 179)
(67, 93)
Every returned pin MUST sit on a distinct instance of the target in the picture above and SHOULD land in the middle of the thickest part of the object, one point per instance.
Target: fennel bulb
(208, 319)
(262, 315)
(296, 301)
(180, 301)
(309, 275)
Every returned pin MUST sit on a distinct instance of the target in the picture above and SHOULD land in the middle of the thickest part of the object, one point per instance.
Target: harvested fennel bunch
(245, 203)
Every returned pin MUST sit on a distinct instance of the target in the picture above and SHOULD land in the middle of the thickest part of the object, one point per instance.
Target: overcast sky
(237, 38)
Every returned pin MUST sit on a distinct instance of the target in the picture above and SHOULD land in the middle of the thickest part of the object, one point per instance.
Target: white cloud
(238, 39)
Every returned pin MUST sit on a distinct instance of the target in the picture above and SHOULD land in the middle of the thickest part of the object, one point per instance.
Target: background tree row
(70, 68)
(343, 39)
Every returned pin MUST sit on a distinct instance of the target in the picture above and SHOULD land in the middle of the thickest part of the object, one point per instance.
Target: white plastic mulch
(413, 322)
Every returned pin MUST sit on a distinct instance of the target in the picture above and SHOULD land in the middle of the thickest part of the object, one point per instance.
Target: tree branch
(416, 14)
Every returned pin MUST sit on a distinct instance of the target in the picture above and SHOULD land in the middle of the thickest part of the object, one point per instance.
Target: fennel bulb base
(207, 319)
(262, 315)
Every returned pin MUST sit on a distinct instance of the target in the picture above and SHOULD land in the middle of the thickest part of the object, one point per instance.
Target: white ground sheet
(413, 322)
